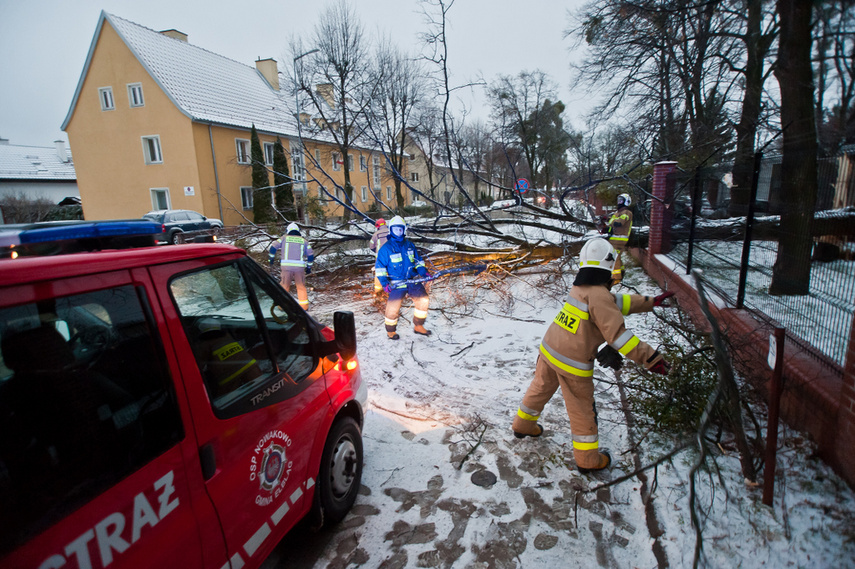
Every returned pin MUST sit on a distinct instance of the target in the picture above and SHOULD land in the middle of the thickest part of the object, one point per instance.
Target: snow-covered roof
(34, 163)
(205, 86)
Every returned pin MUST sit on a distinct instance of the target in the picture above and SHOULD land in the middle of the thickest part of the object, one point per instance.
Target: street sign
(522, 185)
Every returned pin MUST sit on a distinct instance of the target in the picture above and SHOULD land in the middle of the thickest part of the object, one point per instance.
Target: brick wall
(660, 216)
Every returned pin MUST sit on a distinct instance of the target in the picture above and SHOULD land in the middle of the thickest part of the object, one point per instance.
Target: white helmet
(397, 226)
(627, 201)
(599, 254)
(292, 227)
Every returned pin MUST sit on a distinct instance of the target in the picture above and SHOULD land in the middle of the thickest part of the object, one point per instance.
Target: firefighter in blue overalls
(296, 260)
(397, 261)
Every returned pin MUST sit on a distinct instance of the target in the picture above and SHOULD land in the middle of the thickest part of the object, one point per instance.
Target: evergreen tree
(262, 210)
(282, 182)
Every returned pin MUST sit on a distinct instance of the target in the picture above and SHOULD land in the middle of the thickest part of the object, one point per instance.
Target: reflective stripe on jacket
(590, 316)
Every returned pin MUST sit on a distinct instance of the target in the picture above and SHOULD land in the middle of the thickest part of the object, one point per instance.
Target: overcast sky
(43, 44)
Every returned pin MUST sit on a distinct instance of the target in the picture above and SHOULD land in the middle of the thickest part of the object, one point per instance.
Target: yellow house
(157, 123)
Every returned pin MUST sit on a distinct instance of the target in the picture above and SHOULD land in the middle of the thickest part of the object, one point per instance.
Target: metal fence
(740, 269)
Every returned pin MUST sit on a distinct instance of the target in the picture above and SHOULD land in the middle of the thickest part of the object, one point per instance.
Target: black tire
(341, 470)
(173, 236)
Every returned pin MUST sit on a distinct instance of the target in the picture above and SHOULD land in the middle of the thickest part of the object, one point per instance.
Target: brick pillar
(660, 216)
(846, 415)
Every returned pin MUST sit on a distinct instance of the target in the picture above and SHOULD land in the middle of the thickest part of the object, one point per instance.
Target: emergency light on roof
(52, 238)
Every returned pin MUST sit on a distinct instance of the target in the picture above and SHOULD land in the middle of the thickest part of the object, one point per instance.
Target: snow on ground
(436, 403)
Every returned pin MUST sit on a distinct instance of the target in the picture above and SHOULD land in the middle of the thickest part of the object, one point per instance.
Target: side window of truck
(250, 340)
(85, 400)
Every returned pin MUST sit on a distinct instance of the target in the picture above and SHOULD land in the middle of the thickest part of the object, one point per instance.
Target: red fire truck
(163, 406)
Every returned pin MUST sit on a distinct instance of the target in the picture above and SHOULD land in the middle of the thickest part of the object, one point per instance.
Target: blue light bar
(12, 235)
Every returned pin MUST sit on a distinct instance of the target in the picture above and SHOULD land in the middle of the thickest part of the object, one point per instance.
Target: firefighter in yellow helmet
(618, 228)
(590, 316)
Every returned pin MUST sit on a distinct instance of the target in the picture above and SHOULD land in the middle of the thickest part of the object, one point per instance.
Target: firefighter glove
(661, 367)
(308, 270)
(388, 288)
(610, 357)
(660, 300)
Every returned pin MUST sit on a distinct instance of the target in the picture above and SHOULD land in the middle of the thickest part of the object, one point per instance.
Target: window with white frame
(151, 150)
(365, 193)
(135, 96)
(362, 165)
(336, 161)
(160, 198)
(414, 176)
(388, 193)
(246, 197)
(242, 150)
(268, 153)
(105, 94)
(318, 158)
(350, 162)
(376, 165)
(299, 170)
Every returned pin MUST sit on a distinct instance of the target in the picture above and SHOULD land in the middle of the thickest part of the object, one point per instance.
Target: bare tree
(834, 58)
(337, 81)
(399, 89)
(521, 114)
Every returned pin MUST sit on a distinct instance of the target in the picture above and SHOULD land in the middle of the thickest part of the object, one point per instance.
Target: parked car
(175, 221)
(164, 407)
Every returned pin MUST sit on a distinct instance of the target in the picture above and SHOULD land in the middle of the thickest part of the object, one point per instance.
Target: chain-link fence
(740, 267)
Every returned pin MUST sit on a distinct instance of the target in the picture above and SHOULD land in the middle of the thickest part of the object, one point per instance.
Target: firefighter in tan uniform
(296, 258)
(618, 228)
(591, 315)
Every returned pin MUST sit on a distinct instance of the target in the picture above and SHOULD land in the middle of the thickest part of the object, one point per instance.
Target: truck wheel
(341, 470)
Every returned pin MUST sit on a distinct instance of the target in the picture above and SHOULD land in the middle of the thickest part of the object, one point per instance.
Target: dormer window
(135, 95)
(106, 96)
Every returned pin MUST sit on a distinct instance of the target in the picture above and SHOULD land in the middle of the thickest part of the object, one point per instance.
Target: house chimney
(61, 151)
(269, 70)
(175, 34)
(325, 90)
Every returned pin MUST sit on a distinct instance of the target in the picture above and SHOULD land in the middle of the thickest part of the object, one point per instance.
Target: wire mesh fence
(741, 270)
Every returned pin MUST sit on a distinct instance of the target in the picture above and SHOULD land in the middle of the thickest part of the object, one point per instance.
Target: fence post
(749, 223)
(659, 240)
(696, 205)
(774, 407)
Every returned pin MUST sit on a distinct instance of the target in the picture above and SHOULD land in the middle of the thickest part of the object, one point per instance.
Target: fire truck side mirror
(345, 333)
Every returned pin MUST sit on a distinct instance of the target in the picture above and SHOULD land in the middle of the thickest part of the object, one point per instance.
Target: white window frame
(135, 95)
(159, 191)
(268, 152)
(376, 164)
(105, 95)
(364, 193)
(363, 167)
(388, 193)
(242, 150)
(414, 176)
(298, 169)
(246, 197)
(336, 161)
(318, 157)
(350, 162)
(152, 153)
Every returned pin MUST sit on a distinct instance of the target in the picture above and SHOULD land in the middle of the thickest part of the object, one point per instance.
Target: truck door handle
(208, 461)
